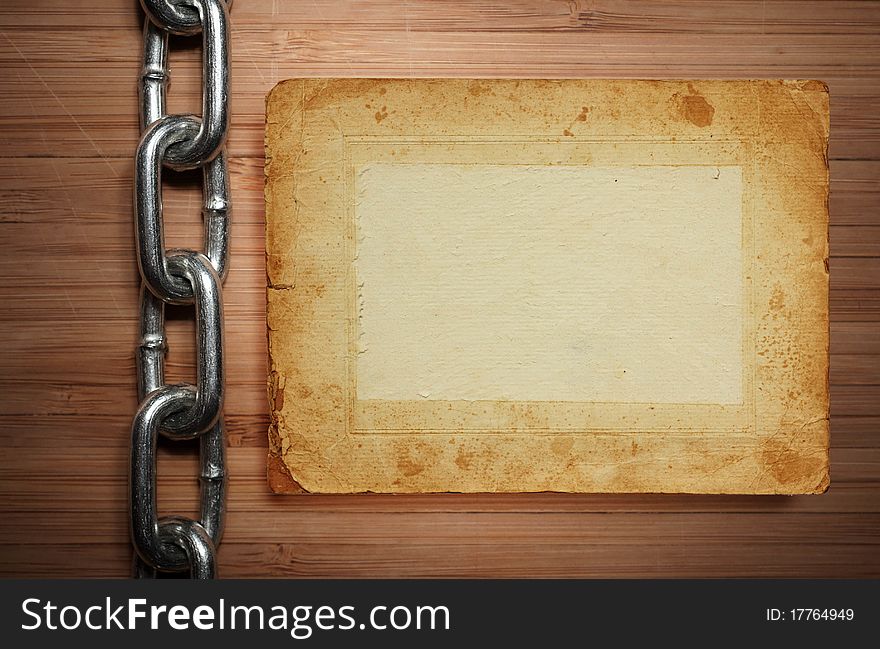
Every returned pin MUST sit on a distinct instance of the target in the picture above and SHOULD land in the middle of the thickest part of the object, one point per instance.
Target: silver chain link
(183, 411)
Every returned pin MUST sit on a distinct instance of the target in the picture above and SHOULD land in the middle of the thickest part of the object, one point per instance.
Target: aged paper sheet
(513, 285)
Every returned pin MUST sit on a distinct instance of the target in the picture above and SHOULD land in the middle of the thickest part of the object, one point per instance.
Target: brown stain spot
(464, 459)
(792, 468)
(279, 478)
(274, 265)
(333, 394)
(319, 289)
(476, 88)
(381, 114)
(562, 445)
(529, 418)
(409, 467)
(580, 117)
(515, 469)
(304, 392)
(695, 109)
(382, 91)
(777, 299)
(276, 388)
(634, 449)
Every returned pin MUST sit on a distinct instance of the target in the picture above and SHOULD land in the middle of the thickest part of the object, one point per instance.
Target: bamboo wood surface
(68, 284)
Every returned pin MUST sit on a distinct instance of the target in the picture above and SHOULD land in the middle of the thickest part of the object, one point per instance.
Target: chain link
(183, 411)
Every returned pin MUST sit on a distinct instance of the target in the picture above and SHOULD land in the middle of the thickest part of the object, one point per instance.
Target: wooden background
(68, 284)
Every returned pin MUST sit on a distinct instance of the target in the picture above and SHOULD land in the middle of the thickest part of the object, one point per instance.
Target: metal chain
(183, 411)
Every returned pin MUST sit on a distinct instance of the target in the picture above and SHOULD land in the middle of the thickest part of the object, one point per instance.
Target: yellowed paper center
(549, 283)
